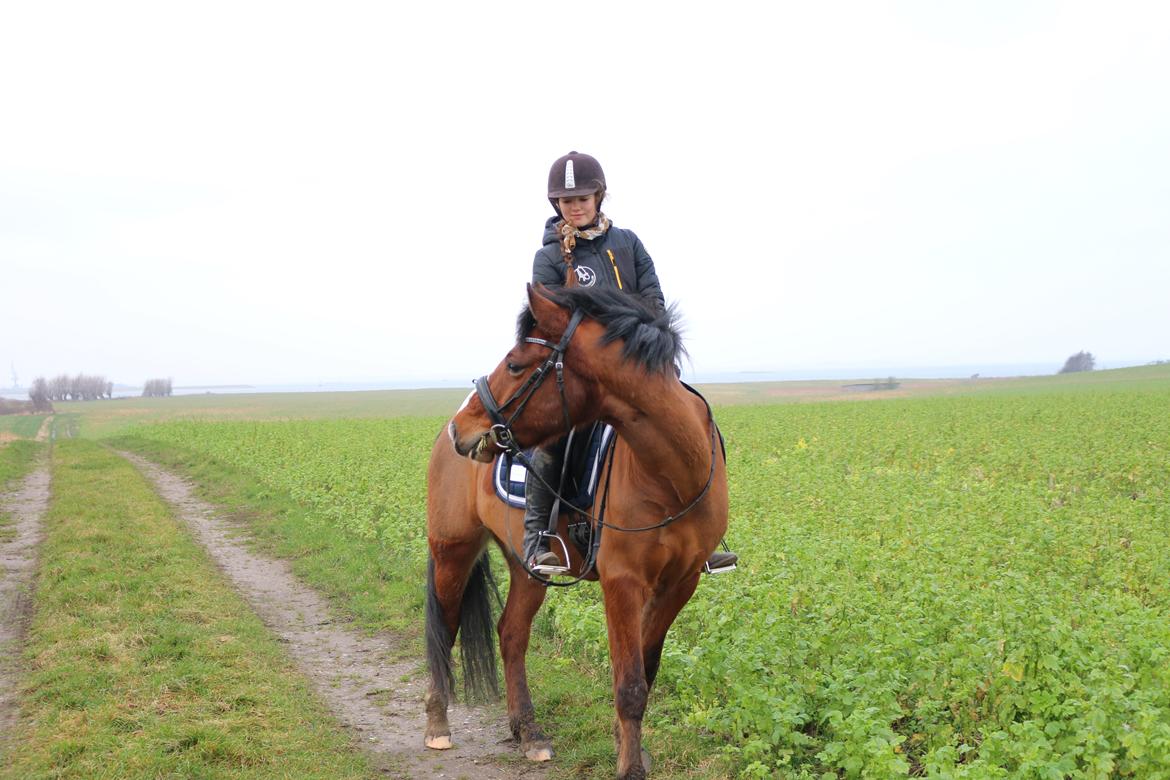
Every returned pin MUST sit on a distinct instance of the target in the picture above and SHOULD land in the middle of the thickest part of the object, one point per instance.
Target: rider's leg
(544, 473)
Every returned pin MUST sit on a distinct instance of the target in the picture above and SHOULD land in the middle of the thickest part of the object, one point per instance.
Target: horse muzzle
(482, 448)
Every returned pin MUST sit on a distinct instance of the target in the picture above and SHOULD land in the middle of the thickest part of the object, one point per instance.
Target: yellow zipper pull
(616, 272)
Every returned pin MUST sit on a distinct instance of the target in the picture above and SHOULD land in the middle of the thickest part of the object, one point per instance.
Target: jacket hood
(551, 236)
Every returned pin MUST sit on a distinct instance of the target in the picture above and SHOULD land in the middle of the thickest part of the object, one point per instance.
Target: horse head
(538, 391)
(574, 347)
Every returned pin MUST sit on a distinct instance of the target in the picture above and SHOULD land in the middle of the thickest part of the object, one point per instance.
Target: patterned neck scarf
(570, 234)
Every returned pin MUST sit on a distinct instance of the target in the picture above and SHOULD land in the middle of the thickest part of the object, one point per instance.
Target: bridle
(501, 430)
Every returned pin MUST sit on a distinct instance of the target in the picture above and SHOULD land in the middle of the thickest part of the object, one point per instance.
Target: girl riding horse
(582, 248)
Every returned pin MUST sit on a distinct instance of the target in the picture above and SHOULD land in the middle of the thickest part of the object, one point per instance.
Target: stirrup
(720, 563)
(551, 568)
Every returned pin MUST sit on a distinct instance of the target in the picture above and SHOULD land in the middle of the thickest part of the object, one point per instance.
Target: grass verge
(143, 662)
(16, 458)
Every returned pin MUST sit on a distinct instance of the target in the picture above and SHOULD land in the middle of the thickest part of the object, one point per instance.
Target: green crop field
(95, 419)
(24, 426)
(104, 418)
(969, 584)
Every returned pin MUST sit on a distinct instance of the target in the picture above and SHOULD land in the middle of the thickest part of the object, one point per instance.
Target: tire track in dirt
(379, 700)
(18, 565)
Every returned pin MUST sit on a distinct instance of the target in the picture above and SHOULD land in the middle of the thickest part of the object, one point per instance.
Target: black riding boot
(538, 499)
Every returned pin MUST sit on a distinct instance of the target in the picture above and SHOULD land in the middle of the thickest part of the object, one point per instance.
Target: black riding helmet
(572, 175)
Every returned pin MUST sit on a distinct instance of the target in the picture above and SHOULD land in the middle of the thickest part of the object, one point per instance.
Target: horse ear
(550, 315)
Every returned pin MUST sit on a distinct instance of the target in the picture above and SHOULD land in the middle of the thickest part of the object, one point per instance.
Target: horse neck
(668, 432)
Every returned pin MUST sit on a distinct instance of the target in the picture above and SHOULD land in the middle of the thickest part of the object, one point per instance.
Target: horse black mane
(651, 337)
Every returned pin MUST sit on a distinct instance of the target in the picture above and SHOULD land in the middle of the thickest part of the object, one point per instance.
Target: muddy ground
(26, 507)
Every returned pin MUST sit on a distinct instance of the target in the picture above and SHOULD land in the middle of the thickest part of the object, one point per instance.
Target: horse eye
(514, 369)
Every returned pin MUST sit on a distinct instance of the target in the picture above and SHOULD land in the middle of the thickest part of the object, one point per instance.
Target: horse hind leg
(458, 589)
(515, 627)
(440, 637)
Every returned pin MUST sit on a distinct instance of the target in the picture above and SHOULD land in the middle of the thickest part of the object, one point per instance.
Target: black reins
(715, 437)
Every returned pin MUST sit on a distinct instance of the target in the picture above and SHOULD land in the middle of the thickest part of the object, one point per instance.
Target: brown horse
(667, 476)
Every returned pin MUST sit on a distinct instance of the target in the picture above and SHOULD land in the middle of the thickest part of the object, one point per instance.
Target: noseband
(501, 430)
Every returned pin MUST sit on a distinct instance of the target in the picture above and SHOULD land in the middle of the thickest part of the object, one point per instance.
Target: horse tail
(477, 644)
(477, 634)
(439, 639)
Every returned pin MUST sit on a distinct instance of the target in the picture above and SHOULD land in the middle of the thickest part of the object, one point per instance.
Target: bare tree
(156, 387)
(80, 387)
(1081, 361)
(39, 395)
(58, 387)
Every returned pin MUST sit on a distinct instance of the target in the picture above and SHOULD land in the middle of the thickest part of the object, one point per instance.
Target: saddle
(585, 453)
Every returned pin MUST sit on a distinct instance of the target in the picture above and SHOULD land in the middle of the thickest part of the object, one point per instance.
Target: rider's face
(580, 210)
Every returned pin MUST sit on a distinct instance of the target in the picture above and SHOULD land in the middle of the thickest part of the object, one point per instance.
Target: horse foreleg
(624, 602)
(446, 578)
(525, 595)
(659, 617)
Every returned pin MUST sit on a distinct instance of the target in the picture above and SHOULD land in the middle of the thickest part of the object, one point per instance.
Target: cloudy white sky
(273, 192)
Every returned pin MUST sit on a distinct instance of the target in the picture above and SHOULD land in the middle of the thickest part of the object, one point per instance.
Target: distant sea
(788, 375)
(879, 372)
(305, 387)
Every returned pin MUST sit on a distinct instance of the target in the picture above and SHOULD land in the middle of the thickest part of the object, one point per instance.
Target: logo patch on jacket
(586, 276)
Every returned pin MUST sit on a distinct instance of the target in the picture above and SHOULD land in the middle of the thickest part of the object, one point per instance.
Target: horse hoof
(539, 753)
(647, 762)
(439, 743)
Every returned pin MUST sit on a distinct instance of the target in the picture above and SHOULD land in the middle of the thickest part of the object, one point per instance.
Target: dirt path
(379, 700)
(18, 560)
(46, 426)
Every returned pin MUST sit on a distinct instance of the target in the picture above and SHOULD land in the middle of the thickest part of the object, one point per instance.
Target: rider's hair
(599, 197)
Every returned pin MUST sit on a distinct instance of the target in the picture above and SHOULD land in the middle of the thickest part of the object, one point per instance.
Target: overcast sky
(259, 193)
